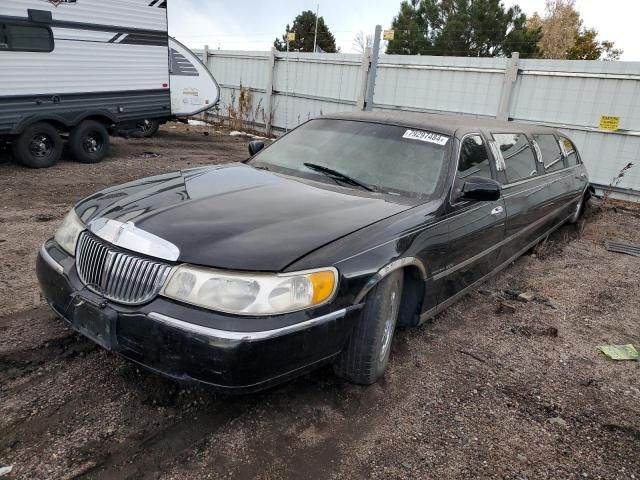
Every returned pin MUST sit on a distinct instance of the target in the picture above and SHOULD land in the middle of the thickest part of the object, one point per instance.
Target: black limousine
(313, 250)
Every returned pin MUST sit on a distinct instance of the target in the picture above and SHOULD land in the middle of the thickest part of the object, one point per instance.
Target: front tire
(366, 355)
(89, 142)
(39, 146)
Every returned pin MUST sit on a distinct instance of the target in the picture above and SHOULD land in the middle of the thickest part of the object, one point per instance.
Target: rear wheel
(39, 146)
(366, 354)
(146, 129)
(89, 142)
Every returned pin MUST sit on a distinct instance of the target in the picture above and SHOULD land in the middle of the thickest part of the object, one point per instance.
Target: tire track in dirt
(144, 458)
(62, 342)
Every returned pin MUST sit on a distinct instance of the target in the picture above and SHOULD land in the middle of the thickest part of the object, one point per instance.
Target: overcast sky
(253, 24)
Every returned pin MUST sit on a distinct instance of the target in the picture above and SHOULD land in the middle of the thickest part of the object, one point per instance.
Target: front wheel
(366, 354)
(39, 146)
(89, 142)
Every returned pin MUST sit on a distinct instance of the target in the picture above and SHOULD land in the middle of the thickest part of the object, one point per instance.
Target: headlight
(68, 233)
(251, 294)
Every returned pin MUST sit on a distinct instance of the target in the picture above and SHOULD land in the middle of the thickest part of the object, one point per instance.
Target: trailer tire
(89, 142)
(366, 354)
(146, 129)
(39, 146)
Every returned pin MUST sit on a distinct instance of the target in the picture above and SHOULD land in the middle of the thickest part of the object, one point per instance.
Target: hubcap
(388, 327)
(92, 143)
(41, 146)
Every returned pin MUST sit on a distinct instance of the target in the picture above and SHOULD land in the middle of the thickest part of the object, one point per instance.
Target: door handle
(497, 211)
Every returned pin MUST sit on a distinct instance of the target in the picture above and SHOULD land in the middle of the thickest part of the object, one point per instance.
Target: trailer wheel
(146, 129)
(39, 146)
(89, 142)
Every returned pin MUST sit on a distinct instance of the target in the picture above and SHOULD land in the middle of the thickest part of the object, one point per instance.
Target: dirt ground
(472, 394)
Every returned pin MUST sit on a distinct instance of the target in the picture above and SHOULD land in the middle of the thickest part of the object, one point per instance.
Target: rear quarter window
(570, 152)
(551, 152)
(520, 162)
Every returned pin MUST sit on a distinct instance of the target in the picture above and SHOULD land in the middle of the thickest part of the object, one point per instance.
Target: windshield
(385, 158)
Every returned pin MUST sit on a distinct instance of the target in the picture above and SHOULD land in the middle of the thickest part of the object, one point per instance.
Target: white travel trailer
(90, 68)
(193, 88)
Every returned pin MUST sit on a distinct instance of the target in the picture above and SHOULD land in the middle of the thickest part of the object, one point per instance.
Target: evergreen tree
(473, 28)
(304, 27)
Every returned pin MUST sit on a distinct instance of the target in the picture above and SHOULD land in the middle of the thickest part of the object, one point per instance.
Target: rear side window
(25, 38)
(520, 162)
(551, 153)
(570, 151)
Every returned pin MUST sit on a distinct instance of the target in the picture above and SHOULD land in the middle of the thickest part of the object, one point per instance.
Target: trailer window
(25, 38)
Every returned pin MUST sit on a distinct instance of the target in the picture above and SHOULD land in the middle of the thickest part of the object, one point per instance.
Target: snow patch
(198, 123)
(236, 133)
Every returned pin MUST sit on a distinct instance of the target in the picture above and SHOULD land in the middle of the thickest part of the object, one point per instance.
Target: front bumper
(188, 343)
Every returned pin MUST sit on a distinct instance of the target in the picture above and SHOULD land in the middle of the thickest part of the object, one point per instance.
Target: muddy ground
(472, 394)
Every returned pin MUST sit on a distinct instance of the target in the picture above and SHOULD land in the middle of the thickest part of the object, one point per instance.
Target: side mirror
(255, 147)
(480, 189)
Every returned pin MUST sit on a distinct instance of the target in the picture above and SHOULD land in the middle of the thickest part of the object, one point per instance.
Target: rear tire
(365, 357)
(39, 146)
(146, 129)
(89, 142)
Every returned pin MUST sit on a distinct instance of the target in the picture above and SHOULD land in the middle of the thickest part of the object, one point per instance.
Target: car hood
(235, 216)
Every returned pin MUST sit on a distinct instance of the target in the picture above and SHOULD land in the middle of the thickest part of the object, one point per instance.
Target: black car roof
(442, 123)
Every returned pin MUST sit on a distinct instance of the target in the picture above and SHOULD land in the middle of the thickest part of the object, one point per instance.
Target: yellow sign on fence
(609, 123)
(388, 34)
(291, 36)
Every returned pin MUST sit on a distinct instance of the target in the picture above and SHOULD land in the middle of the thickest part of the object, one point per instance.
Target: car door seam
(489, 250)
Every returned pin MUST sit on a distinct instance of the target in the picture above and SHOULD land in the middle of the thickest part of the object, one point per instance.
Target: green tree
(478, 28)
(304, 27)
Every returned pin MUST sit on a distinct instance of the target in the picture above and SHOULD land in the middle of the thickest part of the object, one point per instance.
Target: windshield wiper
(339, 175)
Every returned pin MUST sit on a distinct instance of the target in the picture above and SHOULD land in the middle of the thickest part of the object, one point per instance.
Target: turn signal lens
(324, 284)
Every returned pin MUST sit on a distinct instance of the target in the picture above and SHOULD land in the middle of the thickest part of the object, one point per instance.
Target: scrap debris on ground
(523, 393)
(620, 352)
(620, 247)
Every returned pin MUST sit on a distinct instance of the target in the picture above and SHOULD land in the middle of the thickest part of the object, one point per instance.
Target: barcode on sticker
(429, 137)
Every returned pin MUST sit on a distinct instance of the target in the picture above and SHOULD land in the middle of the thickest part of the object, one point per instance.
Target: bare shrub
(242, 114)
(615, 182)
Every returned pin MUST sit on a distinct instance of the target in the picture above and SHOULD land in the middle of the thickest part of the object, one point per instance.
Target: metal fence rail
(288, 89)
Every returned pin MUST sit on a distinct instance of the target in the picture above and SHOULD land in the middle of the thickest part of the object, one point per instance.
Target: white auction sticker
(429, 137)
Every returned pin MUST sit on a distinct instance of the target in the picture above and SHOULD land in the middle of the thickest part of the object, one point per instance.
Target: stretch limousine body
(313, 250)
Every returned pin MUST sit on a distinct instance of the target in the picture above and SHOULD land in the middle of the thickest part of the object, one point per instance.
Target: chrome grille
(117, 275)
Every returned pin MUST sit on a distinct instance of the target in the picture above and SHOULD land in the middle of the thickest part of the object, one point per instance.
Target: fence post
(510, 77)
(364, 72)
(373, 69)
(268, 111)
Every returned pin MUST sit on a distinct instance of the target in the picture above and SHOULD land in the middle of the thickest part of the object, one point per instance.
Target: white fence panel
(233, 69)
(307, 85)
(440, 84)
